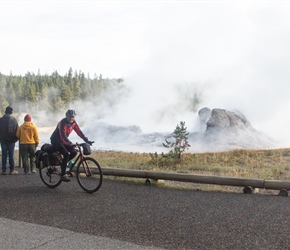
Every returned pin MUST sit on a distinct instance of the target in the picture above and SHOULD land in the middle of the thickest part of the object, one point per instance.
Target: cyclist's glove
(90, 142)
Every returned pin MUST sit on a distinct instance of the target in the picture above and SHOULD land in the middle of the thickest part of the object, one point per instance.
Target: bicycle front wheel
(51, 176)
(89, 175)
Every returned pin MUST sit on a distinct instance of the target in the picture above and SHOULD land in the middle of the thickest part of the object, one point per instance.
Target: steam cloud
(233, 55)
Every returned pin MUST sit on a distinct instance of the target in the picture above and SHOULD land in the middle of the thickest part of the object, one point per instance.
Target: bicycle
(88, 170)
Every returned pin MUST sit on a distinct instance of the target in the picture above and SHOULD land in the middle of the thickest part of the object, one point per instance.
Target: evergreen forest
(54, 93)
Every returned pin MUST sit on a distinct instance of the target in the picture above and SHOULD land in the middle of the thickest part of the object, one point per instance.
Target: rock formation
(225, 130)
(219, 130)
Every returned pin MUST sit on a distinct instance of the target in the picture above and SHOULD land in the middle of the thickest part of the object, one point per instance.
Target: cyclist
(59, 139)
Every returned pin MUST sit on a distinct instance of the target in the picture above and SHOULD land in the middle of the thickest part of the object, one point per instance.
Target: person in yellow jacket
(27, 134)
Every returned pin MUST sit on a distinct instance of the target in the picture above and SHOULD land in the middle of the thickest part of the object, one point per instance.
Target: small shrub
(179, 143)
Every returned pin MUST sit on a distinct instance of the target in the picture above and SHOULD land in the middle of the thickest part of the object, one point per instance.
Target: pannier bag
(47, 147)
(87, 149)
(42, 160)
(55, 159)
(47, 156)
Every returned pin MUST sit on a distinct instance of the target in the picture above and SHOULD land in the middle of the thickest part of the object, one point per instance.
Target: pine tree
(65, 93)
(76, 87)
(180, 141)
(56, 104)
(3, 102)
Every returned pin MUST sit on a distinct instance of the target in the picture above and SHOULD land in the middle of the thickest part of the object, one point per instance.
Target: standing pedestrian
(27, 134)
(8, 128)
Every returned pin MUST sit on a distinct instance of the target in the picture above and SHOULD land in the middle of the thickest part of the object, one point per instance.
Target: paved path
(23, 235)
(128, 216)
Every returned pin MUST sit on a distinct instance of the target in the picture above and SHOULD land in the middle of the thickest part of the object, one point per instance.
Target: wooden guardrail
(248, 184)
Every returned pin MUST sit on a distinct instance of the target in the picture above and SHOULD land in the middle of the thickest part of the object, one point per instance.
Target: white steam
(232, 54)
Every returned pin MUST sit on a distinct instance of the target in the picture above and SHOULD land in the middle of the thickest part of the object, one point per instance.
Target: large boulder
(225, 130)
(226, 120)
(204, 114)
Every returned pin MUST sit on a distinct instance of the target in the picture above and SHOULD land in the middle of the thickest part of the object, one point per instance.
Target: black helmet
(70, 112)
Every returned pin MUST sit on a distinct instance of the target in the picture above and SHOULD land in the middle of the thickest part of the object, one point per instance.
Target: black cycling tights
(68, 153)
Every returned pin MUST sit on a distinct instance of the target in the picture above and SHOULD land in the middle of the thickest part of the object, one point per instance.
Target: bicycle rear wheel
(51, 176)
(89, 175)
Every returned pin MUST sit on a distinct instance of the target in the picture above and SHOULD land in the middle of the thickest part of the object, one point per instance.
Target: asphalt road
(127, 216)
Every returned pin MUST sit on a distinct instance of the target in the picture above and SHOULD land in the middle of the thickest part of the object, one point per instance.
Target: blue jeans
(8, 150)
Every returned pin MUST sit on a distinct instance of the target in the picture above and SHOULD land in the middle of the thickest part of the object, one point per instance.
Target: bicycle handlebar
(83, 143)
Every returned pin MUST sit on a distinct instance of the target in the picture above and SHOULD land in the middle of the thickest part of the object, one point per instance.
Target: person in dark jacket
(59, 139)
(8, 128)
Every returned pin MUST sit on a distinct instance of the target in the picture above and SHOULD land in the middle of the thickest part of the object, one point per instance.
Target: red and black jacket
(63, 130)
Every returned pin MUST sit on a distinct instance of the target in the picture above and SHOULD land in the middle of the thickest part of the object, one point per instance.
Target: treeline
(54, 92)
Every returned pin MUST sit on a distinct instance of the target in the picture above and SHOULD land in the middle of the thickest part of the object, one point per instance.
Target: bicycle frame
(81, 158)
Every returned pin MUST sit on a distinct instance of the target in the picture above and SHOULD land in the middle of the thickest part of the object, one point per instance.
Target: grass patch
(271, 164)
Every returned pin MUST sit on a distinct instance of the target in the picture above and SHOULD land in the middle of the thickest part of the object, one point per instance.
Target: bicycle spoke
(50, 176)
(89, 175)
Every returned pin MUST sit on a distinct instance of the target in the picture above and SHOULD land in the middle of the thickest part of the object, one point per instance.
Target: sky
(236, 54)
